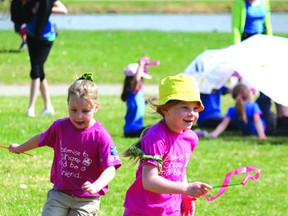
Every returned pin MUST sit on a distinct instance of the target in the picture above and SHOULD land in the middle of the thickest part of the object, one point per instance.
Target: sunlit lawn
(212, 159)
(106, 54)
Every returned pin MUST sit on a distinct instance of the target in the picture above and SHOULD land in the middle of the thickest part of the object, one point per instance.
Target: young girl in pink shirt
(164, 151)
(85, 157)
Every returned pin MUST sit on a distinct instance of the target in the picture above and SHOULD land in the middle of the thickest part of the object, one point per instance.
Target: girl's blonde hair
(85, 89)
(241, 94)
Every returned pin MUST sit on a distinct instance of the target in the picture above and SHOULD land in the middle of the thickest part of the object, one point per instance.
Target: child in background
(164, 151)
(133, 96)
(78, 184)
(212, 114)
(245, 115)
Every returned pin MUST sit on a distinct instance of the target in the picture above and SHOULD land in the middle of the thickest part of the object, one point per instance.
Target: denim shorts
(62, 204)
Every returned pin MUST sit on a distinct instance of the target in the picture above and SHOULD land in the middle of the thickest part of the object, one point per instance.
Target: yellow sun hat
(179, 87)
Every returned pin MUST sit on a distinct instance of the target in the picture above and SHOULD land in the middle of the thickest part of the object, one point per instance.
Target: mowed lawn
(24, 180)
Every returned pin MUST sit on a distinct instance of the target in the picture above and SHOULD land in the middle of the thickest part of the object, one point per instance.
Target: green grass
(212, 159)
(106, 54)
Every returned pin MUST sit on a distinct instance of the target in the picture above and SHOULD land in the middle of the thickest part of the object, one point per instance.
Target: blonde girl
(85, 157)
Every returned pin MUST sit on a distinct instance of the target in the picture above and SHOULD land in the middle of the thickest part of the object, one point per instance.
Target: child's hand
(13, 148)
(197, 189)
(211, 135)
(90, 188)
(144, 60)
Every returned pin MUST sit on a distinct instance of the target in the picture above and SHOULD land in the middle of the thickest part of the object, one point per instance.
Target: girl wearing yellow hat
(164, 151)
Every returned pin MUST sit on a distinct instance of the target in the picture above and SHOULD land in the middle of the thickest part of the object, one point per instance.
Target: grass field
(105, 54)
(212, 159)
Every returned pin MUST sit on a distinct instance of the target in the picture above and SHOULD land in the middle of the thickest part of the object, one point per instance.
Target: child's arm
(157, 184)
(104, 179)
(137, 80)
(26, 146)
(259, 126)
(220, 128)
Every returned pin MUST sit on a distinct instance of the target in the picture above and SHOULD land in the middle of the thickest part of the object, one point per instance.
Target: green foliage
(212, 159)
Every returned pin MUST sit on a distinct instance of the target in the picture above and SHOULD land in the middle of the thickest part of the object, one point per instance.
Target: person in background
(133, 96)
(245, 114)
(250, 17)
(16, 18)
(212, 116)
(164, 150)
(281, 121)
(21, 31)
(78, 184)
(39, 49)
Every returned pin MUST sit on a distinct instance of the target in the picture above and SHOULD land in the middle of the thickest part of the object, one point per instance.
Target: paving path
(61, 89)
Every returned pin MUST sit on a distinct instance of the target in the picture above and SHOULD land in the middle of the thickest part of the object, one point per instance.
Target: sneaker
(48, 111)
(30, 113)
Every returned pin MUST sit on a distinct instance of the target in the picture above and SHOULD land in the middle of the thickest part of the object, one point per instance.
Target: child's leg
(59, 203)
(56, 204)
(85, 206)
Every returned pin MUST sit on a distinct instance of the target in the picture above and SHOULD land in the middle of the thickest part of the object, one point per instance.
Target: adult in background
(40, 38)
(281, 121)
(18, 17)
(251, 17)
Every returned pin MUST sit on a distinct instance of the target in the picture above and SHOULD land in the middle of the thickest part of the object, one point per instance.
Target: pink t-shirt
(176, 150)
(79, 155)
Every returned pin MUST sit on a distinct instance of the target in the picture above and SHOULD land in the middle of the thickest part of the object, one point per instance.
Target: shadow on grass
(5, 51)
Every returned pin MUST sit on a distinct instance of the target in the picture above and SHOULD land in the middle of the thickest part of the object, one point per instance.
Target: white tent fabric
(261, 60)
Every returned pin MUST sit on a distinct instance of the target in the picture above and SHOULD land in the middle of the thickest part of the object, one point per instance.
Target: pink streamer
(226, 181)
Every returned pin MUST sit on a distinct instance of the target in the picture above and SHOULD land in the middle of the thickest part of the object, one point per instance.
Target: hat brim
(176, 97)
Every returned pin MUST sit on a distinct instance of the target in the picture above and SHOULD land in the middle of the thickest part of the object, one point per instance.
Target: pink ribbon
(226, 181)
